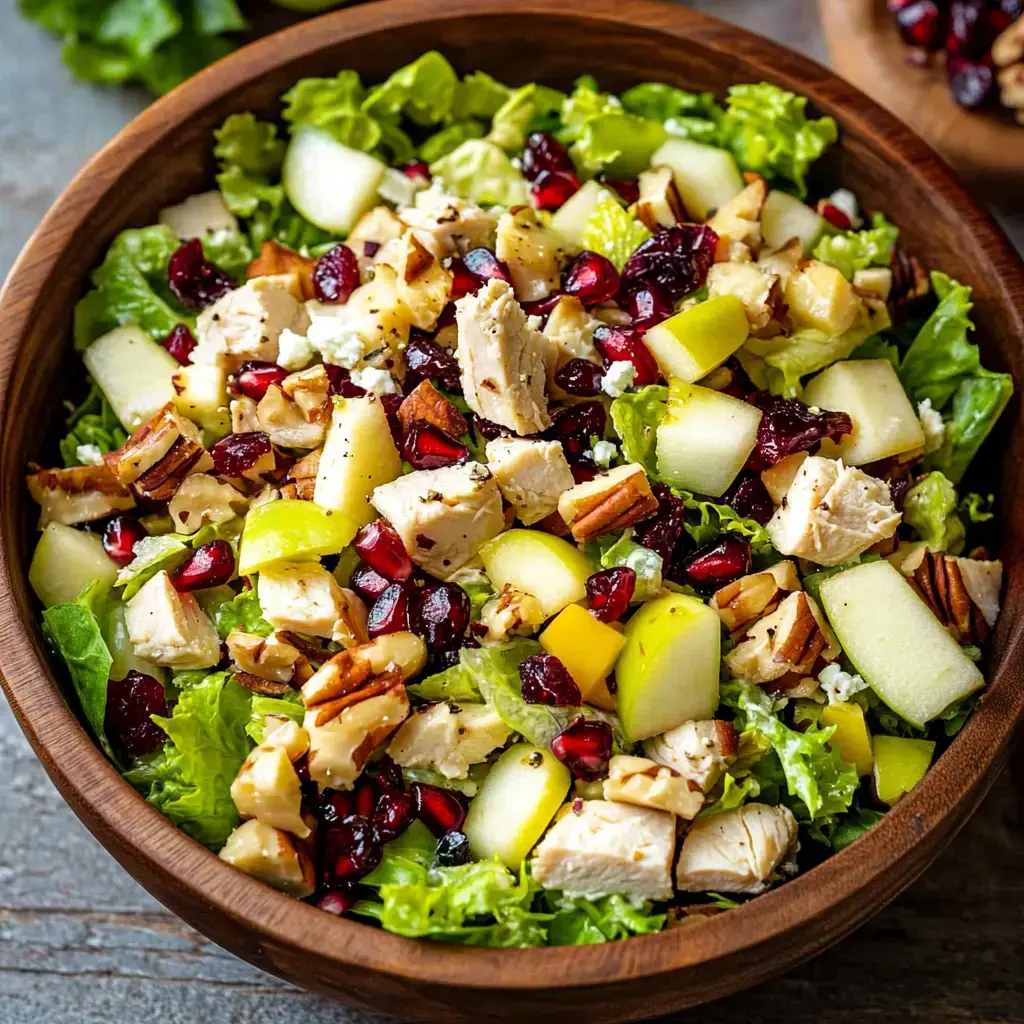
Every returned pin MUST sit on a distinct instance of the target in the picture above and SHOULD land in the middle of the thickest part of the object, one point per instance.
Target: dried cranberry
(332, 806)
(749, 497)
(551, 190)
(972, 84)
(336, 275)
(120, 536)
(578, 452)
(610, 591)
(543, 152)
(394, 813)
(463, 282)
(582, 474)
(193, 280)
(426, 447)
(130, 704)
(482, 263)
(440, 614)
(391, 404)
(741, 386)
(580, 377)
(341, 383)
(545, 680)
(591, 278)
(789, 426)
(440, 810)
(180, 344)
(628, 188)
(648, 304)
(663, 531)
(418, 170)
(238, 453)
(489, 430)
(426, 360)
(585, 419)
(452, 850)
(585, 748)
(390, 612)
(618, 344)
(211, 565)
(337, 901)
(367, 583)
(920, 24)
(715, 564)
(352, 849)
(254, 378)
(678, 259)
(380, 547)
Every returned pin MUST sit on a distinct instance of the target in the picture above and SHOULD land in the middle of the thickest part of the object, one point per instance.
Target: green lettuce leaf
(635, 419)
(423, 91)
(289, 706)
(335, 106)
(610, 551)
(613, 232)
(714, 519)
(579, 921)
(152, 555)
(511, 122)
(616, 143)
(480, 171)
(849, 251)
(684, 114)
(251, 145)
(92, 423)
(229, 250)
(852, 826)
(449, 139)
(930, 509)
(478, 96)
(236, 611)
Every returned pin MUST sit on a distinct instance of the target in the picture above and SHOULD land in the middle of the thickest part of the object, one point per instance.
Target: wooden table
(81, 943)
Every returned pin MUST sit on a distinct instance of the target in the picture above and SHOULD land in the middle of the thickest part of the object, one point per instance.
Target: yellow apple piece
(900, 764)
(851, 738)
(692, 343)
(587, 648)
(290, 529)
(819, 296)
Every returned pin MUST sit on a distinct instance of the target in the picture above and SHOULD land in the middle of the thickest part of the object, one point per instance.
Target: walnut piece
(302, 477)
(79, 494)
(744, 601)
(659, 205)
(611, 501)
(425, 405)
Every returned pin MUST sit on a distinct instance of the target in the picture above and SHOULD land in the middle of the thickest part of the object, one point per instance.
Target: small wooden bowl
(164, 155)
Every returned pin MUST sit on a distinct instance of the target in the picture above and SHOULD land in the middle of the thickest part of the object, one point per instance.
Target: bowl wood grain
(163, 156)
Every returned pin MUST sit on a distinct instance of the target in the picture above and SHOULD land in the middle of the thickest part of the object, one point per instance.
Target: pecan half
(78, 494)
(257, 684)
(611, 501)
(910, 284)
(751, 597)
(330, 710)
(939, 582)
(426, 405)
(275, 258)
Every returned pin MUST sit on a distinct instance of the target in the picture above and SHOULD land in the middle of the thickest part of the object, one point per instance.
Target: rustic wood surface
(79, 941)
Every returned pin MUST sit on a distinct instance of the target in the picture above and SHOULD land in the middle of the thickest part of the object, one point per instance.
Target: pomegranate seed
(482, 263)
(610, 591)
(341, 383)
(585, 748)
(647, 304)
(426, 447)
(541, 307)
(551, 190)
(352, 849)
(789, 426)
(618, 343)
(365, 797)
(463, 282)
(120, 536)
(543, 152)
(749, 498)
(972, 84)
(380, 547)
(971, 29)
(920, 24)
(440, 810)
(336, 275)
(130, 703)
(390, 612)
(582, 474)
(678, 259)
(591, 278)
(426, 360)
(254, 378)
(394, 813)
(389, 774)
(418, 170)
(238, 453)
(193, 280)
(836, 217)
(585, 418)
(367, 583)
(716, 564)
(452, 850)
(545, 680)
(180, 344)
(337, 902)
(489, 430)
(332, 806)
(440, 614)
(663, 531)
(391, 404)
(580, 377)
(628, 188)
(211, 565)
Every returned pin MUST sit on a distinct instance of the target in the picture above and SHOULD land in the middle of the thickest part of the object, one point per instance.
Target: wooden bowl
(164, 155)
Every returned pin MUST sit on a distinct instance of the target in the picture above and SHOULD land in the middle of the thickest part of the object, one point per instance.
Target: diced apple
(705, 438)
(292, 530)
(884, 421)
(549, 568)
(896, 642)
(668, 671)
(819, 296)
(692, 343)
(515, 804)
(201, 394)
(65, 561)
(134, 373)
(359, 454)
(587, 648)
(851, 738)
(785, 217)
(327, 182)
(707, 177)
(900, 764)
(122, 650)
(570, 220)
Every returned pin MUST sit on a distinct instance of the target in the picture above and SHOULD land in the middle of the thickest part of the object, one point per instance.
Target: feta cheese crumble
(335, 340)
(380, 382)
(294, 350)
(933, 426)
(618, 377)
(603, 452)
(89, 455)
(840, 686)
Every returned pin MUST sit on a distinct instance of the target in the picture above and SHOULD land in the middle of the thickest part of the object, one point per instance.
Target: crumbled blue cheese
(89, 455)
(618, 377)
(603, 452)
(294, 350)
(846, 202)
(337, 341)
(840, 686)
(932, 424)
(380, 382)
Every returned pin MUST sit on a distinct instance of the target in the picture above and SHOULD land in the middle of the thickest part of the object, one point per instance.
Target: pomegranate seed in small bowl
(254, 378)
(440, 810)
(336, 275)
(211, 565)
(426, 447)
(591, 278)
(120, 536)
(180, 344)
(545, 680)
(585, 748)
(193, 280)
(610, 591)
(380, 547)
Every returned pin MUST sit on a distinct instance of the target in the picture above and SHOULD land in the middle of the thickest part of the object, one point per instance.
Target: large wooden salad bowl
(163, 156)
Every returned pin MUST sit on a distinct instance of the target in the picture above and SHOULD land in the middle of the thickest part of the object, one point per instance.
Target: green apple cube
(65, 561)
(134, 373)
(785, 217)
(291, 530)
(201, 394)
(896, 642)
(570, 220)
(707, 177)
(692, 343)
(884, 421)
(327, 182)
(900, 764)
(705, 438)
(668, 671)
(515, 804)
(549, 568)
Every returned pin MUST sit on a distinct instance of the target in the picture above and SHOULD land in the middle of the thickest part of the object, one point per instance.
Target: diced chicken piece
(198, 216)
(448, 741)
(758, 290)
(736, 851)
(271, 856)
(659, 205)
(698, 751)
(779, 478)
(243, 415)
(611, 501)
(284, 422)
(77, 495)
(247, 322)
(424, 285)
(983, 581)
(738, 223)
(447, 225)
(371, 234)
(444, 516)
(168, 628)
(268, 657)
(600, 847)
(511, 613)
(532, 475)
(306, 598)
(533, 252)
(503, 361)
(202, 499)
(747, 599)
(570, 330)
(645, 783)
(267, 786)
(832, 513)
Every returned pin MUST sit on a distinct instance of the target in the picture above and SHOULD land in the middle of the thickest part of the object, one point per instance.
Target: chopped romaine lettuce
(236, 611)
(449, 139)
(478, 96)
(512, 120)
(635, 417)
(93, 423)
(482, 172)
(930, 508)
(613, 232)
(611, 551)
(229, 250)
(423, 91)
(289, 706)
(580, 921)
(849, 251)
(152, 554)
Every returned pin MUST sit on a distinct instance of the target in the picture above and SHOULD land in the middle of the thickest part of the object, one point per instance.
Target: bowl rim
(859, 879)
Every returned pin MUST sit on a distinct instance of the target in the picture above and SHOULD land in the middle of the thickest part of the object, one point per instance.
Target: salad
(518, 517)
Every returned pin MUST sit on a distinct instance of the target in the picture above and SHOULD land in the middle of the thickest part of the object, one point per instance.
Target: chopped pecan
(302, 477)
(313, 651)
(611, 501)
(387, 681)
(271, 659)
(426, 405)
(910, 284)
(79, 494)
(257, 684)
(285, 423)
(659, 205)
(939, 581)
(275, 258)
(751, 597)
